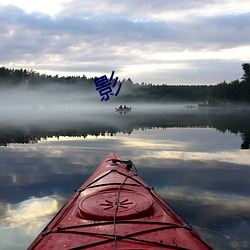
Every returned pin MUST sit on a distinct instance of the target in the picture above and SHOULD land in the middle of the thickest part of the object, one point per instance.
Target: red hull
(115, 209)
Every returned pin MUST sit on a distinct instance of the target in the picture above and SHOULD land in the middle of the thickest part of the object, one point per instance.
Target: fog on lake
(196, 159)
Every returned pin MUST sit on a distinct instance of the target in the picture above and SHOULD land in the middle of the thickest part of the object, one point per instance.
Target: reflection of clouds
(228, 203)
(2, 209)
(222, 219)
(228, 239)
(185, 139)
(147, 144)
(22, 222)
(29, 212)
(155, 140)
(173, 143)
(234, 156)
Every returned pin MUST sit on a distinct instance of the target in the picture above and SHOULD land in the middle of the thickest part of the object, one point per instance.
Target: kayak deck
(116, 209)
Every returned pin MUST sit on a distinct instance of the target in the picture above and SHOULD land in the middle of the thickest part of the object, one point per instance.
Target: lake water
(197, 160)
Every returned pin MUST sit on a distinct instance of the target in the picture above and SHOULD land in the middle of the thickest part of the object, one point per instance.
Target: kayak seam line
(99, 178)
(114, 170)
(62, 230)
(120, 222)
(166, 208)
(173, 212)
(128, 237)
(44, 233)
(110, 184)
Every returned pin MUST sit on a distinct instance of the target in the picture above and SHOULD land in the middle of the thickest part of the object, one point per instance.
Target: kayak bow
(116, 209)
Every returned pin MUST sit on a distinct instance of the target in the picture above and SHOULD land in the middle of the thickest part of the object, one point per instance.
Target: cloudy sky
(154, 41)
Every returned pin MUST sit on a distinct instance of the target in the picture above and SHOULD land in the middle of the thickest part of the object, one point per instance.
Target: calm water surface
(193, 159)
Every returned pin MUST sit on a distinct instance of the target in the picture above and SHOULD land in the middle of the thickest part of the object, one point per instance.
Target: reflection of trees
(222, 120)
(246, 141)
(8, 137)
(236, 122)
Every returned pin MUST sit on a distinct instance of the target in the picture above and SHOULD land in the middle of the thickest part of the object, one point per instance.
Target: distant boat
(125, 110)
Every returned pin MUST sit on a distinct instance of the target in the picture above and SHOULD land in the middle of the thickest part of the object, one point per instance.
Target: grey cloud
(83, 68)
(37, 28)
(219, 31)
(117, 36)
(132, 8)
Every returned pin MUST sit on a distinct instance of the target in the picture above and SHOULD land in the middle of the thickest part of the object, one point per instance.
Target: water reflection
(111, 123)
(31, 210)
(195, 166)
(21, 221)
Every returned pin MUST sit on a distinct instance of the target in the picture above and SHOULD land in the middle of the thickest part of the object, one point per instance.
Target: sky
(159, 42)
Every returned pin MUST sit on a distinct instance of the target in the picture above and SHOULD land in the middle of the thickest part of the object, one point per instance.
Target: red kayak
(116, 209)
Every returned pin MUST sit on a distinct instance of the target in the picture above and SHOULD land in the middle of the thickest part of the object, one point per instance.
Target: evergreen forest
(224, 93)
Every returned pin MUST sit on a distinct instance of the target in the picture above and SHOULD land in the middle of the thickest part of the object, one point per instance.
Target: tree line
(32, 79)
(236, 91)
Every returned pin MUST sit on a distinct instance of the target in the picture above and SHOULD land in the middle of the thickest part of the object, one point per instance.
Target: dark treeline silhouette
(32, 79)
(236, 91)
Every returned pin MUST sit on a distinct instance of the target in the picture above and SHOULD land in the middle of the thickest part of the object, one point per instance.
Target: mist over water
(57, 103)
(50, 102)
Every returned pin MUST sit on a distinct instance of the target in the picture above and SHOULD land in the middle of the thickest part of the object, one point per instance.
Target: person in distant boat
(120, 107)
(125, 106)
